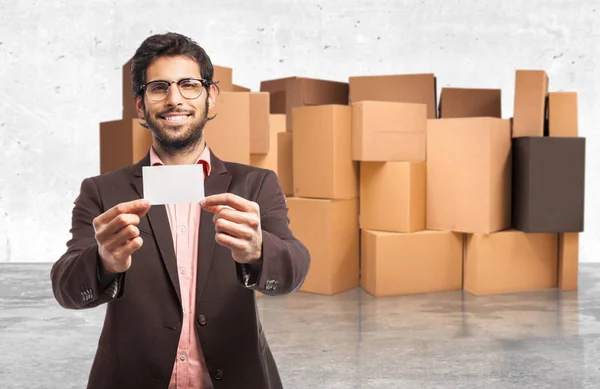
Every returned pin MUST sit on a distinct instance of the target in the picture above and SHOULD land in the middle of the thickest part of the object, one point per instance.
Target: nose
(174, 98)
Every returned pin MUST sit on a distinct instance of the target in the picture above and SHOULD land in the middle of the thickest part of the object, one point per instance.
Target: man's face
(177, 122)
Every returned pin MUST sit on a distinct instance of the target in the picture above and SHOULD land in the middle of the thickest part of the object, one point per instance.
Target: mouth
(175, 118)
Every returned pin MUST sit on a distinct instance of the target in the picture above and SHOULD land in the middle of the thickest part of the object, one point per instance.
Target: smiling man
(179, 280)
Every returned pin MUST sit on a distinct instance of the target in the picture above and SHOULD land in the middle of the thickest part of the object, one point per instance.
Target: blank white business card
(173, 184)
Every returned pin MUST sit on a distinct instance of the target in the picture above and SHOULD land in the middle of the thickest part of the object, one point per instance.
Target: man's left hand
(237, 225)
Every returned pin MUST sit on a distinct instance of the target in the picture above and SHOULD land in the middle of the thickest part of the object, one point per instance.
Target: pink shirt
(189, 371)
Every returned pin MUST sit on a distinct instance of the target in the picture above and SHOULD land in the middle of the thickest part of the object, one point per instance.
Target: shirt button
(182, 270)
(202, 320)
(182, 229)
(182, 357)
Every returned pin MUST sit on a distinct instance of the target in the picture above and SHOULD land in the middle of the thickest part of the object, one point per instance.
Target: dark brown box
(548, 184)
(402, 88)
(287, 93)
(470, 102)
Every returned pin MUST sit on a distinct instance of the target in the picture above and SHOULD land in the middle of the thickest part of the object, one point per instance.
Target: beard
(177, 139)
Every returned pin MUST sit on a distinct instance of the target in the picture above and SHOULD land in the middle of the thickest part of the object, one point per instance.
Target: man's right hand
(117, 234)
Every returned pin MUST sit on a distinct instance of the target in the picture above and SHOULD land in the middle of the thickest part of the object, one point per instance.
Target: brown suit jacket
(138, 343)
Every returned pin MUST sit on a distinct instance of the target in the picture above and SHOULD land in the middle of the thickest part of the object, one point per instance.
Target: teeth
(175, 118)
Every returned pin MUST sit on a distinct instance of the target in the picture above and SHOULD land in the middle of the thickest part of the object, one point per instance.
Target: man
(179, 280)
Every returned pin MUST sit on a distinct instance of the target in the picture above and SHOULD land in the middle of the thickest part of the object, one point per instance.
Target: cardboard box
(530, 103)
(239, 88)
(270, 160)
(404, 88)
(329, 229)
(291, 92)
(421, 262)
(392, 196)
(285, 162)
(260, 134)
(322, 153)
(228, 134)
(568, 261)
(223, 74)
(468, 175)
(563, 114)
(470, 102)
(129, 110)
(548, 184)
(122, 143)
(388, 131)
(510, 261)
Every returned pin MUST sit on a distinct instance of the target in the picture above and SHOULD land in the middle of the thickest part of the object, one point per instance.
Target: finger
(236, 230)
(231, 242)
(230, 199)
(123, 220)
(126, 234)
(139, 207)
(250, 219)
(128, 248)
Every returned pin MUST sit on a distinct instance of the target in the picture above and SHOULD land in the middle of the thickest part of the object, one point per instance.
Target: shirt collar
(203, 159)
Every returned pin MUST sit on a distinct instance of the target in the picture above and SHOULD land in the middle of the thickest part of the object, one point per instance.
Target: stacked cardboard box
(323, 205)
(398, 254)
(398, 195)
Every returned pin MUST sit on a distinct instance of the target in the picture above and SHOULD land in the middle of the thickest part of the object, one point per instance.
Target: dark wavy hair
(168, 45)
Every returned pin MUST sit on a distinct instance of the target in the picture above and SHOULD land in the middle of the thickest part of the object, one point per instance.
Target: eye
(190, 84)
(158, 87)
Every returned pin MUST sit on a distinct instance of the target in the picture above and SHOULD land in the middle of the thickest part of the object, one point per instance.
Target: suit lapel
(217, 182)
(159, 222)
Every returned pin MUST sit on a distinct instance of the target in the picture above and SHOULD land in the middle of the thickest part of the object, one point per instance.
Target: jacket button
(218, 374)
(202, 319)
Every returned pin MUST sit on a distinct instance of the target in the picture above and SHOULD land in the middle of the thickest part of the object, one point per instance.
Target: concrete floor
(544, 339)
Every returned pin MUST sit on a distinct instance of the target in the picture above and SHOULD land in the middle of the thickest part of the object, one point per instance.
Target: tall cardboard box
(470, 102)
(421, 262)
(388, 131)
(288, 93)
(285, 161)
(510, 261)
(548, 184)
(468, 175)
(220, 73)
(530, 103)
(322, 153)
(228, 134)
(568, 261)
(260, 134)
(563, 113)
(122, 143)
(392, 196)
(403, 88)
(329, 229)
(270, 160)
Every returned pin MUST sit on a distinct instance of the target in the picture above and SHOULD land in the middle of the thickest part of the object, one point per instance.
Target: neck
(180, 157)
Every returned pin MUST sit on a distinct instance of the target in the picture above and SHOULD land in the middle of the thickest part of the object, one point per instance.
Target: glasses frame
(205, 84)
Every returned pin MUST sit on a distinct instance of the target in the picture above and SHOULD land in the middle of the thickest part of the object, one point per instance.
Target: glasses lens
(157, 90)
(190, 89)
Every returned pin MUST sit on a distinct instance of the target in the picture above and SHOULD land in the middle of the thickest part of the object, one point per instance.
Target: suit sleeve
(285, 260)
(77, 280)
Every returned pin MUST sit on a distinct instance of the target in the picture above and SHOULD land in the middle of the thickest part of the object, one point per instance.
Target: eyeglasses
(190, 88)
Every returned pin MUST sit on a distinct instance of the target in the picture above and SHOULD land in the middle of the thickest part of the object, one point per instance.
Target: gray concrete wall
(60, 76)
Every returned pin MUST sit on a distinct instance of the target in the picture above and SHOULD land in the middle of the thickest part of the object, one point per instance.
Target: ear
(212, 96)
(139, 106)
